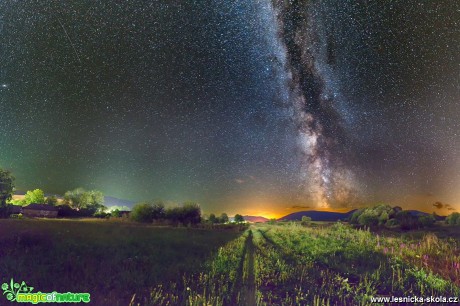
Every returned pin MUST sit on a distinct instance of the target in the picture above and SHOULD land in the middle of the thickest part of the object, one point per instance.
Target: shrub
(116, 213)
(369, 218)
(407, 220)
(392, 223)
(453, 219)
(355, 216)
(305, 221)
(142, 212)
(101, 215)
(426, 220)
(372, 216)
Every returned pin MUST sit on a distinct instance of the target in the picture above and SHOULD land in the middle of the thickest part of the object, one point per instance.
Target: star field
(243, 106)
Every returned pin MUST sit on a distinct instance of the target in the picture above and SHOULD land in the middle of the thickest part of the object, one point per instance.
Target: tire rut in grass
(237, 286)
(244, 289)
(249, 288)
(289, 259)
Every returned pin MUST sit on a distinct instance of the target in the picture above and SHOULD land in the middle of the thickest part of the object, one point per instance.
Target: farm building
(40, 210)
(125, 213)
(15, 209)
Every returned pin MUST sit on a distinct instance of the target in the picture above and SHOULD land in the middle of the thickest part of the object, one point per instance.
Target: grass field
(264, 265)
(110, 260)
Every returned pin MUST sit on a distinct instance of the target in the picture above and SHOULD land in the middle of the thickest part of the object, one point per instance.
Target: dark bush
(426, 220)
(407, 220)
(453, 219)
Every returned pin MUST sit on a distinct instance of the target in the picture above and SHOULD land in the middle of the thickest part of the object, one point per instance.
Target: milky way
(314, 96)
(319, 39)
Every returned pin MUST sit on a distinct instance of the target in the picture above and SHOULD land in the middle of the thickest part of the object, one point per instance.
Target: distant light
(4, 85)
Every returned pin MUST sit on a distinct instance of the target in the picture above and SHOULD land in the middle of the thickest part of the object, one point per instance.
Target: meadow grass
(124, 263)
(339, 265)
(110, 260)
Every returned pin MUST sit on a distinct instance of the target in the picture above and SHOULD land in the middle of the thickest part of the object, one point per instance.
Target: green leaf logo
(12, 289)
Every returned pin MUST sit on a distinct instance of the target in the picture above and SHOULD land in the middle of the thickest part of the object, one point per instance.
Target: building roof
(35, 206)
(15, 209)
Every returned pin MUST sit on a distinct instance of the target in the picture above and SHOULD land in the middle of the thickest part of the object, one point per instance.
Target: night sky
(252, 107)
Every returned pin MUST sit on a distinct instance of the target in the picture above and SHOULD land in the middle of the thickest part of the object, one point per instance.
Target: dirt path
(249, 281)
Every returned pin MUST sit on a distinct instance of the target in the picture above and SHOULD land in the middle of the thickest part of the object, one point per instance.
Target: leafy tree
(92, 201)
(191, 213)
(116, 213)
(392, 223)
(372, 216)
(369, 217)
(6, 187)
(453, 219)
(142, 212)
(173, 214)
(158, 211)
(305, 220)
(18, 202)
(188, 213)
(34, 196)
(355, 216)
(426, 220)
(223, 218)
(394, 211)
(239, 218)
(213, 219)
(51, 200)
(383, 218)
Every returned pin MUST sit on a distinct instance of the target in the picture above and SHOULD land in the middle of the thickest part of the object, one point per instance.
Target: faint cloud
(440, 205)
(239, 181)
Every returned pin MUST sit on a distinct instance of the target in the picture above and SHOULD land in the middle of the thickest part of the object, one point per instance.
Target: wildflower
(425, 259)
(456, 265)
(385, 250)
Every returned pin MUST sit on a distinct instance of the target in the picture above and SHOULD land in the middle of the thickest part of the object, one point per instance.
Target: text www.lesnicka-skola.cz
(414, 299)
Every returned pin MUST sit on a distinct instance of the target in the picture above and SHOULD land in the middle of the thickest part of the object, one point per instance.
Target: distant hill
(334, 216)
(317, 215)
(421, 213)
(417, 213)
(255, 219)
